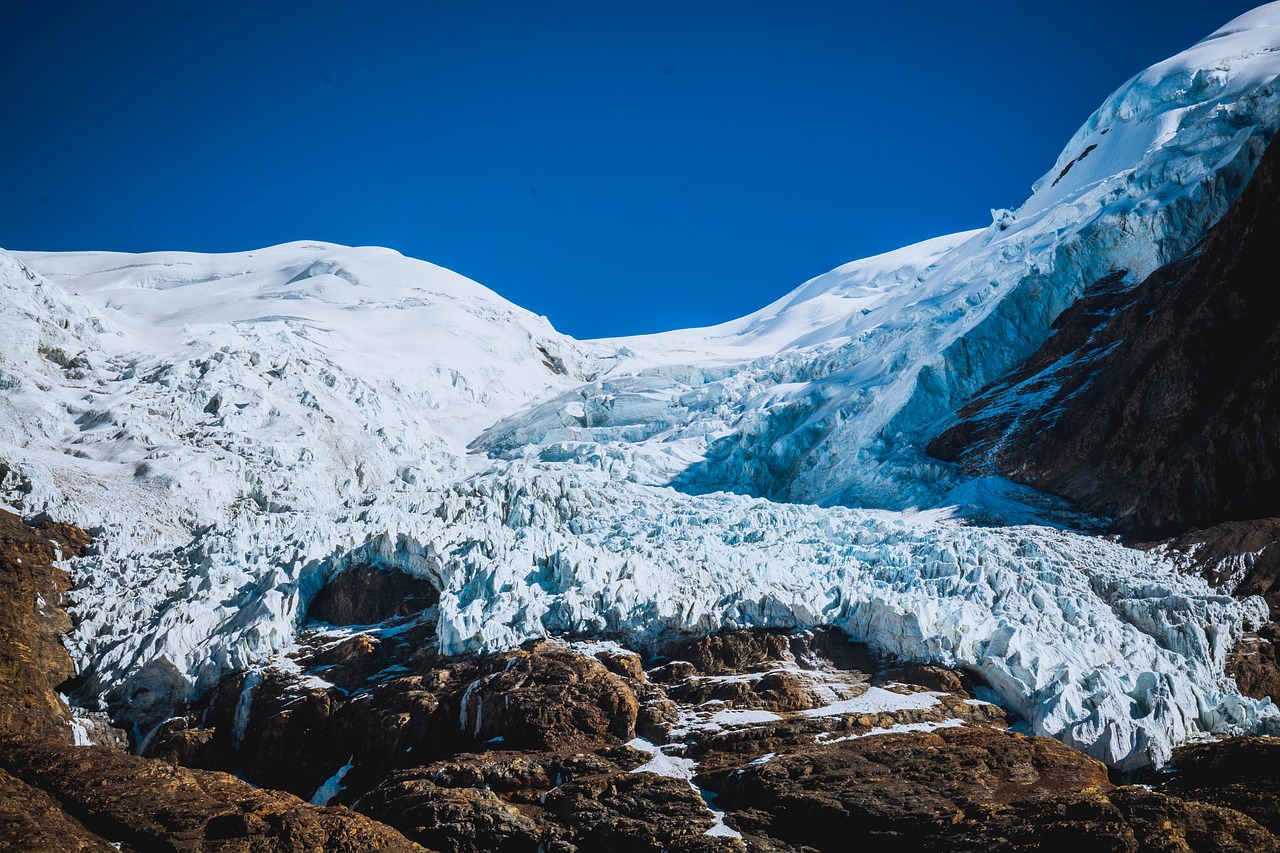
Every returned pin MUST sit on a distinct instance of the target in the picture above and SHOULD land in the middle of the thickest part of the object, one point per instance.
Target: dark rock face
(151, 805)
(1244, 554)
(550, 698)
(1125, 820)
(1255, 663)
(1241, 774)
(31, 820)
(904, 787)
(1154, 406)
(366, 595)
(518, 803)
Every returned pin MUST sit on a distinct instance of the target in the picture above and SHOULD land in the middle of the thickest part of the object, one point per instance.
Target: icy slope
(237, 428)
(1107, 648)
(180, 404)
(863, 367)
(293, 376)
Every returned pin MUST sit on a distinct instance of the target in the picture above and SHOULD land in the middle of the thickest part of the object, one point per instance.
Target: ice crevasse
(237, 428)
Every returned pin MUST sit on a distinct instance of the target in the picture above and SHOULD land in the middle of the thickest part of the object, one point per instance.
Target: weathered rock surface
(1155, 406)
(550, 698)
(1124, 820)
(1242, 556)
(33, 663)
(34, 822)
(563, 803)
(1255, 663)
(151, 805)
(896, 786)
(1241, 774)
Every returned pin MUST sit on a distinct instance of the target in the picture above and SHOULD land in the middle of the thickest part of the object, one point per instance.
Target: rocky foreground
(751, 740)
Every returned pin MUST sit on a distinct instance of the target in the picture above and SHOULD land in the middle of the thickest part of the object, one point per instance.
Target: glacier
(235, 429)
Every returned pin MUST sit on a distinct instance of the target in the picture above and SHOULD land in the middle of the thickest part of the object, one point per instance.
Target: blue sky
(619, 167)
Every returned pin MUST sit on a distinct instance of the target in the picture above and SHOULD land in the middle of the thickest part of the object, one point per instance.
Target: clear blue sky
(619, 167)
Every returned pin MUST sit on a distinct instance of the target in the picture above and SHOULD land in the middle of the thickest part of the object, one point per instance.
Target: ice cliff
(237, 428)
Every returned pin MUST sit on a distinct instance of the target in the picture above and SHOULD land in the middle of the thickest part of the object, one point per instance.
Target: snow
(897, 728)
(876, 700)
(238, 428)
(828, 395)
(682, 768)
(333, 785)
(244, 706)
(80, 735)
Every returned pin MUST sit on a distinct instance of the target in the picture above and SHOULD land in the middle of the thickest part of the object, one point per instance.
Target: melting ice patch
(332, 786)
(682, 768)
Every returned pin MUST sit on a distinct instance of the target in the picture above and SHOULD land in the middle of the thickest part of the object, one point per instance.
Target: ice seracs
(862, 363)
(237, 428)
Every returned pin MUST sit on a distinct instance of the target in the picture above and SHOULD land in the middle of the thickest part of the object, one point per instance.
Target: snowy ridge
(237, 428)
(838, 412)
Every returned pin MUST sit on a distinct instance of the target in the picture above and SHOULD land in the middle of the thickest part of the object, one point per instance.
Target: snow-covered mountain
(236, 429)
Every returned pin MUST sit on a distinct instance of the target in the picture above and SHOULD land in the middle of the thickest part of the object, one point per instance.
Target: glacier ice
(237, 428)
(825, 396)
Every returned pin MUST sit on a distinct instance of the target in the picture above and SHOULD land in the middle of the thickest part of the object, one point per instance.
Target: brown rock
(1255, 663)
(628, 664)
(33, 822)
(549, 698)
(174, 742)
(544, 801)
(744, 651)
(1238, 773)
(914, 785)
(33, 663)
(153, 805)
(459, 820)
(630, 812)
(1126, 820)
(1155, 405)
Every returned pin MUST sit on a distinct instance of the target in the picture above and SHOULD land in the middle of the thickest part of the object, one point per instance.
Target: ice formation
(237, 428)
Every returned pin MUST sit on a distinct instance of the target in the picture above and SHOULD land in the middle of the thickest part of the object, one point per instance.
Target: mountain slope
(1172, 384)
(238, 429)
(869, 357)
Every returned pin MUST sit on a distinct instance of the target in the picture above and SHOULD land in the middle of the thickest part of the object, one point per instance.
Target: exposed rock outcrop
(150, 805)
(904, 787)
(1241, 774)
(34, 822)
(1155, 405)
(365, 594)
(33, 663)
